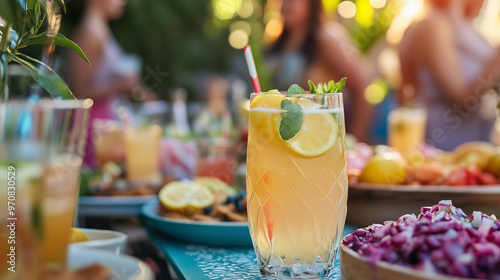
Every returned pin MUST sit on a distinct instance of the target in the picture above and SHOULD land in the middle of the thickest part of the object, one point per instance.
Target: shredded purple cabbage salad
(441, 239)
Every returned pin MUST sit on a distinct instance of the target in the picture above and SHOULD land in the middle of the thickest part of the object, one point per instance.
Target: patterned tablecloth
(199, 262)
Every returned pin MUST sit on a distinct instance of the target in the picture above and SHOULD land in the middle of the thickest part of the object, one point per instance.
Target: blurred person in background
(107, 79)
(307, 49)
(450, 68)
(215, 119)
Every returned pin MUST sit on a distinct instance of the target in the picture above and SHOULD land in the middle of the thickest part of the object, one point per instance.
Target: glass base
(297, 270)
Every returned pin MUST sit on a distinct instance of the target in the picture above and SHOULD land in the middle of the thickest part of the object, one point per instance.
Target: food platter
(376, 203)
(201, 232)
(112, 206)
(494, 189)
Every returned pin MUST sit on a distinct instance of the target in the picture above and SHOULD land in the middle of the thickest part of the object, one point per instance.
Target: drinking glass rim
(49, 103)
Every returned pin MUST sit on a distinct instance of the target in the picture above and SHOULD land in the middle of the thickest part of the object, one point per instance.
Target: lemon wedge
(317, 135)
(77, 236)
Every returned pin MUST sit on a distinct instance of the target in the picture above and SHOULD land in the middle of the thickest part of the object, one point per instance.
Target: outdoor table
(196, 261)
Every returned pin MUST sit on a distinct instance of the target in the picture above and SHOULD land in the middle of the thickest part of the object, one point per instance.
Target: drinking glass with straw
(296, 180)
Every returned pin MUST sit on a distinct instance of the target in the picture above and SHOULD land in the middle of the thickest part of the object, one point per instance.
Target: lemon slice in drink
(187, 196)
(271, 100)
(316, 136)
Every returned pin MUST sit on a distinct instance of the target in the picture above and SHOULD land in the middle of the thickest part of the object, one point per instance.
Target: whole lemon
(493, 165)
(385, 168)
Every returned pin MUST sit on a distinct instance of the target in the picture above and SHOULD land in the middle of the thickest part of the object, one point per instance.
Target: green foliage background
(182, 38)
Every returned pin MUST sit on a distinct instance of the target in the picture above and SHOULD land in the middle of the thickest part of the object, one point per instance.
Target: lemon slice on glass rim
(318, 133)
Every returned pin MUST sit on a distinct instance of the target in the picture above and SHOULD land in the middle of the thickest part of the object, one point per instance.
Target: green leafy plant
(22, 24)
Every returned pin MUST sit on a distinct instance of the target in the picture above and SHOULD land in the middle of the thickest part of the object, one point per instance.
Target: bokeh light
(347, 9)
(489, 23)
(411, 10)
(378, 4)
(246, 10)
(273, 29)
(238, 39)
(330, 5)
(271, 15)
(242, 25)
(375, 92)
(389, 65)
(257, 10)
(226, 9)
(364, 12)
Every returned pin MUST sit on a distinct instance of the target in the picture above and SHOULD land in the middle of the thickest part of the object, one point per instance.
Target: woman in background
(107, 78)
(449, 67)
(308, 50)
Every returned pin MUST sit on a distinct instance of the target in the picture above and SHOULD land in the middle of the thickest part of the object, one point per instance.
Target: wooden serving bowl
(390, 202)
(354, 267)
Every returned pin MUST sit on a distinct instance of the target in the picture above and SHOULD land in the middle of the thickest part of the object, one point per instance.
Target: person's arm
(344, 63)
(80, 74)
(406, 93)
(440, 56)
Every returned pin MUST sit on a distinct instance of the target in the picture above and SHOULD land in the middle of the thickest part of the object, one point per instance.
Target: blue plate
(209, 233)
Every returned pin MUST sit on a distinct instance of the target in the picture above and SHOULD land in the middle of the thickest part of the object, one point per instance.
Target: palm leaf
(47, 79)
(59, 40)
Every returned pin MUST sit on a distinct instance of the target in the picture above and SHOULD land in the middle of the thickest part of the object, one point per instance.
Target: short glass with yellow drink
(296, 182)
(142, 154)
(407, 129)
(40, 161)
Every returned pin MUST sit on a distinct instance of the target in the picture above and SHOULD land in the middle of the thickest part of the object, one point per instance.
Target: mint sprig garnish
(312, 87)
(331, 87)
(37, 221)
(291, 120)
(295, 89)
(293, 117)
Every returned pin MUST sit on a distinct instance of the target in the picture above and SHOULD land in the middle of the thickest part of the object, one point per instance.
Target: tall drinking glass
(108, 141)
(142, 154)
(40, 162)
(296, 182)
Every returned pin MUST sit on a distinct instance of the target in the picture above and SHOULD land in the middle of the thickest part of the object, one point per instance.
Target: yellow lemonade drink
(407, 129)
(45, 201)
(142, 154)
(18, 233)
(41, 157)
(60, 183)
(108, 141)
(296, 183)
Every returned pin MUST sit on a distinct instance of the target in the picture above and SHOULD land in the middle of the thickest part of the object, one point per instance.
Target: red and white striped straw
(251, 69)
